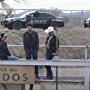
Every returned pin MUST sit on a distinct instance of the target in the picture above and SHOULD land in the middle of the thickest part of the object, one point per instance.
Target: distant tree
(6, 6)
(55, 11)
(66, 19)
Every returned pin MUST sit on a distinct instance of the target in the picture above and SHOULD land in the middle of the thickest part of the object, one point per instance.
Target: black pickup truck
(39, 20)
(87, 23)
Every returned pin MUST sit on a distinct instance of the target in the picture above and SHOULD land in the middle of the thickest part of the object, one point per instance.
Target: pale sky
(60, 4)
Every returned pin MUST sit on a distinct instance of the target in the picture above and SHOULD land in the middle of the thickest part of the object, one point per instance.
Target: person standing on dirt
(31, 45)
(52, 45)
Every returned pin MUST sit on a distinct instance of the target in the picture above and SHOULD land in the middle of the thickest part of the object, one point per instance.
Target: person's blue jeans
(49, 56)
(34, 55)
(12, 58)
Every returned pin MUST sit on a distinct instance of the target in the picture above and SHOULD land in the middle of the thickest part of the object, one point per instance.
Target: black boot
(31, 86)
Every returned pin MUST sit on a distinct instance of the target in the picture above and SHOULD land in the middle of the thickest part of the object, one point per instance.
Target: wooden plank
(17, 74)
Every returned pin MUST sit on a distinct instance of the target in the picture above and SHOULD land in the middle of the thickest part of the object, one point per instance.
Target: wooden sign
(17, 74)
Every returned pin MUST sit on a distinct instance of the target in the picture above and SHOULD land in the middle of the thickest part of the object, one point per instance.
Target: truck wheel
(17, 25)
(62, 24)
(54, 24)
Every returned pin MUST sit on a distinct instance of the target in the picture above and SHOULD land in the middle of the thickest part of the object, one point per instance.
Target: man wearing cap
(52, 45)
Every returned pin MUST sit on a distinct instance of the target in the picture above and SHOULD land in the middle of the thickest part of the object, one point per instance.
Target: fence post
(82, 18)
(70, 18)
(86, 50)
(87, 73)
(56, 77)
(27, 86)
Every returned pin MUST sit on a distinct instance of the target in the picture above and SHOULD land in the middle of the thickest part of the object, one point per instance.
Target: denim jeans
(49, 56)
(12, 58)
(33, 54)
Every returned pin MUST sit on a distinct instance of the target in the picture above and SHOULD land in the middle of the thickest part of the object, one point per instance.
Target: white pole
(87, 71)
(86, 50)
(27, 86)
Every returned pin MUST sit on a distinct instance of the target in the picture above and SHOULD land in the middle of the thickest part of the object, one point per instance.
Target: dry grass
(67, 36)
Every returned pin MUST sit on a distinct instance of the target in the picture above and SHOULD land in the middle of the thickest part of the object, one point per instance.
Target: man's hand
(46, 46)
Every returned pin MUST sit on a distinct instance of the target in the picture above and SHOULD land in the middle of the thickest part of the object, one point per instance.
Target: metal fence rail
(58, 63)
(64, 46)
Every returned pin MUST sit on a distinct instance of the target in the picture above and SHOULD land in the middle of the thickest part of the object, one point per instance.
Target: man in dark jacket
(52, 45)
(4, 52)
(31, 45)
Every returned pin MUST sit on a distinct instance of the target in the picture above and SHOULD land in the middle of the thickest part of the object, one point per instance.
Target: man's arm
(37, 43)
(6, 51)
(24, 42)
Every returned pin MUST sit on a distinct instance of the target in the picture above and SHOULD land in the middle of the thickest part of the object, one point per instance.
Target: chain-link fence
(71, 17)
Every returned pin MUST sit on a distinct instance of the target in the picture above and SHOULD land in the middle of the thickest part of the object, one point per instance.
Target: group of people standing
(31, 47)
